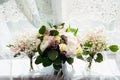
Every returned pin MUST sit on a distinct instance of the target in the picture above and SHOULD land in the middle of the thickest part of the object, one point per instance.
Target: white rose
(46, 42)
(71, 44)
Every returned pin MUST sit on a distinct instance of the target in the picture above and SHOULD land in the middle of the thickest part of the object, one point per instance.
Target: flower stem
(89, 65)
(31, 64)
(90, 62)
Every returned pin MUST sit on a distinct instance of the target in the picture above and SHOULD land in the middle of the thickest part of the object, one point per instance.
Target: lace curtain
(37, 11)
(106, 12)
(17, 15)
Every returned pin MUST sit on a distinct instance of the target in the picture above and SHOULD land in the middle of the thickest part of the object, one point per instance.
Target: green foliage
(16, 55)
(57, 61)
(62, 24)
(99, 58)
(52, 54)
(39, 50)
(54, 32)
(41, 38)
(38, 60)
(89, 59)
(69, 29)
(88, 44)
(70, 60)
(46, 62)
(10, 45)
(85, 52)
(72, 29)
(51, 25)
(114, 48)
(75, 32)
(57, 67)
(42, 29)
(80, 57)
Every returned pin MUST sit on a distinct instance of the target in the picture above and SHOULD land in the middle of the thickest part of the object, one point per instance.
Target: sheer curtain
(38, 11)
(16, 16)
(104, 12)
(20, 15)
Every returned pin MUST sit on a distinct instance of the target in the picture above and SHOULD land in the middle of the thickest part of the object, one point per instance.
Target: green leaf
(80, 57)
(54, 32)
(38, 60)
(68, 29)
(46, 62)
(88, 44)
(57, 61)
(60, 27)
(51, 25)
(85, 52)
(70, 60)
(72, 29)
(99, 58)
(42, 29)
(114, 48)
(55, 26)
(39, 50)
(10, 45)
(62, 24)
(75, 33)
(89, 59)
(41, 38)
(57, 67)
(52, 54)
(16, 55)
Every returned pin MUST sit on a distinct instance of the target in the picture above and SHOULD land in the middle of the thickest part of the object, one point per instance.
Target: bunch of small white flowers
(25, 44)
(93, 47)
(95, 43)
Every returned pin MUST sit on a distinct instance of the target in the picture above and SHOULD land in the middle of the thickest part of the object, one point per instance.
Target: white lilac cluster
(25, 42)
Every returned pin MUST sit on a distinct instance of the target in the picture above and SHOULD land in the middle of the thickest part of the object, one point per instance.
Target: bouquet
(58, 45)
(93, 47)
(25, 44)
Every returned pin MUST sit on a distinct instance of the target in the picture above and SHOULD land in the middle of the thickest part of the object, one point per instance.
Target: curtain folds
(16, 16)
